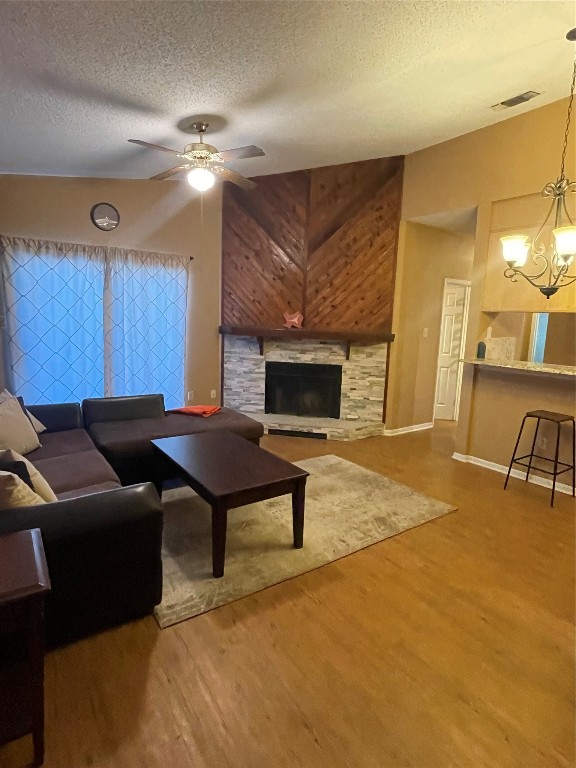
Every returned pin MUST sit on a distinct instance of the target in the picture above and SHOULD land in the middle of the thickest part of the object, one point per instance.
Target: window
(85, 321)
(538, 336)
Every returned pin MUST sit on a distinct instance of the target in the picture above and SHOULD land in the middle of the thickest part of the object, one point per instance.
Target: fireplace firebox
(303, 389)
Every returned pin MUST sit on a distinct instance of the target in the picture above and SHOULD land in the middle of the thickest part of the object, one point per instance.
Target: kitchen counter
(498, 394)
(523, 365)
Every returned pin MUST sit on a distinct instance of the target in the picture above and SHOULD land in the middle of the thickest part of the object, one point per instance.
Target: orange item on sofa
(197, 410)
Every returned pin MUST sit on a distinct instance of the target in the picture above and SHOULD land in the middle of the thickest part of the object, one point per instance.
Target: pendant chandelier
(552, 258)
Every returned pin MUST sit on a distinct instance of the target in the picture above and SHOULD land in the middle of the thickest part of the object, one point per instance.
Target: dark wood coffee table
(228, 471)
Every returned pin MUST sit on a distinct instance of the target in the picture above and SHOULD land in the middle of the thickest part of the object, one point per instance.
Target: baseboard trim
(536, 479)
(405, 430)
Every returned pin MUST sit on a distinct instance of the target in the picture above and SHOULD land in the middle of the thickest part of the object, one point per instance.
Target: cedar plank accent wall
(321, 241)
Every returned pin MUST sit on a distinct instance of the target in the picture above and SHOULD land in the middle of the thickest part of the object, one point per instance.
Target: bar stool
(558, 419)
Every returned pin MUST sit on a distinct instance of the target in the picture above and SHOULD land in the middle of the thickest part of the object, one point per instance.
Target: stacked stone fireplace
(306, 393)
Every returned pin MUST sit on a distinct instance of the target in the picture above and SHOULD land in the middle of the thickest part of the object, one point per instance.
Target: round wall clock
(104, 216)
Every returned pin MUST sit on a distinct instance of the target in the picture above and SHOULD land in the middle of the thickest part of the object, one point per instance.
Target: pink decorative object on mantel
(293, 320)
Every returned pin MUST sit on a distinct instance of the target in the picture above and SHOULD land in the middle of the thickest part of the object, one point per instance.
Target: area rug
(347, 508)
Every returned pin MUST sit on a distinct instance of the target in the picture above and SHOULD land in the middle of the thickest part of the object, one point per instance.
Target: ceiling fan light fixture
(204, 162)
(201, 179)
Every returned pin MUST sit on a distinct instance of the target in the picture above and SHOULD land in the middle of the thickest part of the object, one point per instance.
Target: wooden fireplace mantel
(347, 337)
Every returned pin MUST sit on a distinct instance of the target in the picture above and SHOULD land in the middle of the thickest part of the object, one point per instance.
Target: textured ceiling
(312, 83)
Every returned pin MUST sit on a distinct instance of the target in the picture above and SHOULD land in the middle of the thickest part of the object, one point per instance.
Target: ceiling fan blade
(154, 146)
(167, 174)
(235, 178)
(241, 152)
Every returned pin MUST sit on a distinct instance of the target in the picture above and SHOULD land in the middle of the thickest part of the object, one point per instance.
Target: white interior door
(452, 338)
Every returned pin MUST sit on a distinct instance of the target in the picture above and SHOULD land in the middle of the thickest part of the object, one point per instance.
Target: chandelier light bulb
(515, 249)
(565, 242)
(565, 261)
(201, 179)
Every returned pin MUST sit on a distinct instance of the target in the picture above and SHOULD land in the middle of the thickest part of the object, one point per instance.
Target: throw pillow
(39, 483)
(16, 431)
(36, 423)
(15, 493)
(17, 468)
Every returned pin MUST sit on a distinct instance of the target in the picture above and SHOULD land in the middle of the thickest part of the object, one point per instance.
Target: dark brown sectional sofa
(102, 541)
(103, 536)
(122, 428)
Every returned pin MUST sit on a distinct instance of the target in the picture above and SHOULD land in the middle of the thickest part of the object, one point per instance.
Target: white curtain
(86, 321)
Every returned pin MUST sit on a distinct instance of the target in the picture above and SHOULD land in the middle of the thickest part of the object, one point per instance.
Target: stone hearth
(362, 393)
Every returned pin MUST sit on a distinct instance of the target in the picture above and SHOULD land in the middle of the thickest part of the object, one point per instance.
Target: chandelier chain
(568, 117)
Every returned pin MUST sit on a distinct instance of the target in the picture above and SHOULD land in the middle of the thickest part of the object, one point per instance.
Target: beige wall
(167, 217)
(502, 162)
(429, 256)
(509, 159)
(561, 339)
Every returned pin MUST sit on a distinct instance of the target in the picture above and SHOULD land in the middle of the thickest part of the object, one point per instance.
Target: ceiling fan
(204, 162)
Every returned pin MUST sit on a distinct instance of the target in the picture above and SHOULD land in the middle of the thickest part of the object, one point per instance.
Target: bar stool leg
(532, 449)
(555, 463)
(573, 457)
(514, 452)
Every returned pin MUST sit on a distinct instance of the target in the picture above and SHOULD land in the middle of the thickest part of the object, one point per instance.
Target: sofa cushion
(58, 417)
(110, 433)
(107, 486)
(15, 493)
(62, 444)
(38, 426)
(99, 409)
(225, 419)
(39, 483)
(18, 468)
(78, 470)
(16, 430)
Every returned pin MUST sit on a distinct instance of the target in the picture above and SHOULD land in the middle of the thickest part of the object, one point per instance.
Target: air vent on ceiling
(515, 100)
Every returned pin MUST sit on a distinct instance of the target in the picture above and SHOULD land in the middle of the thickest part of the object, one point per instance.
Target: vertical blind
(86, 321)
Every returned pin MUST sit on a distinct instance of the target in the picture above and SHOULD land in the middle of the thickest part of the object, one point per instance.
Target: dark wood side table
(24, 583)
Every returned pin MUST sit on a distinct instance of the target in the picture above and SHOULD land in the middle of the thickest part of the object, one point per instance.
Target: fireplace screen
(303, 389)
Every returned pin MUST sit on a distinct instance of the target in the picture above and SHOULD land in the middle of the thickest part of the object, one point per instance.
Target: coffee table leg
(298, 496)
(219, 521)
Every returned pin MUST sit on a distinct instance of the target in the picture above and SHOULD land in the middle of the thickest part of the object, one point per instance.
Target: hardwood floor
(449, 645)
